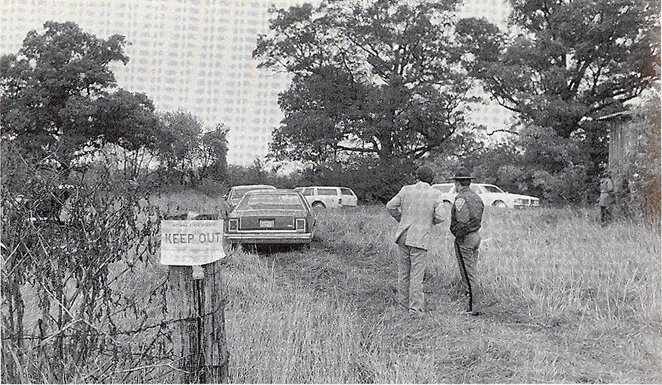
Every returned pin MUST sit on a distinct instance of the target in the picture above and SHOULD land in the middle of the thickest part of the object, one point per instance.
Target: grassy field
(569, 301)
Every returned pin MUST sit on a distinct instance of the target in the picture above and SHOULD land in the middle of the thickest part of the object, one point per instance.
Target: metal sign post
(193, 250)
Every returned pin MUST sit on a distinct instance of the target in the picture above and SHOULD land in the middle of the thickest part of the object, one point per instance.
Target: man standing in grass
(417, 208)
(606, 201)
(466, 217)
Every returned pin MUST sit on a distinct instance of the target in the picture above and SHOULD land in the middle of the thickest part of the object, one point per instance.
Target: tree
(376, 78)
(214, 151)
(56, 102)
(181, 144)
(566, 63)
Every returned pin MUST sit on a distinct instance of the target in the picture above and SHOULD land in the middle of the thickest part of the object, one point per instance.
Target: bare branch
(503, 130)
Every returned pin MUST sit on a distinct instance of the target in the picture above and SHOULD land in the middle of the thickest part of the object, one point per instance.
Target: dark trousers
(605, 214)
(466, 252)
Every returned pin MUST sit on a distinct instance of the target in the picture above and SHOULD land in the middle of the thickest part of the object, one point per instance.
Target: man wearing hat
(466, 216)
(417, 208)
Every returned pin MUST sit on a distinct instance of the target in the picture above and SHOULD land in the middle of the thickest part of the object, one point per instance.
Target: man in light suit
(417, 208)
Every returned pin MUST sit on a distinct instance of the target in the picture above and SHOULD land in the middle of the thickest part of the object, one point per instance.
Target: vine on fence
(73, 307)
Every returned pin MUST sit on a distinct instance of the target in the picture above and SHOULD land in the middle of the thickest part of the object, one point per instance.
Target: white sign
(191, 242)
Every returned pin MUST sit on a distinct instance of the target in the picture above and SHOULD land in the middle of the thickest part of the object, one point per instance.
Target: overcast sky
(196, 56)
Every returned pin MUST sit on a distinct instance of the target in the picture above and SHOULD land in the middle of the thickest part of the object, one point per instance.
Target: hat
(425, 174)
(463, 173)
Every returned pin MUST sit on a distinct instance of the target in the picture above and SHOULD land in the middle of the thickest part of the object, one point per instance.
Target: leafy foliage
(56, 96)
(188, 152)
(213, 153)
(571, 60)
(378, 78)
(563, 66)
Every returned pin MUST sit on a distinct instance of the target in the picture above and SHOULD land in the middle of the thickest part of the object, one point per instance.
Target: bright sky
(196, 56)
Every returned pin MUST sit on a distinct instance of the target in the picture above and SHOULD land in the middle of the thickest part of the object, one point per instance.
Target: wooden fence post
(199, 338)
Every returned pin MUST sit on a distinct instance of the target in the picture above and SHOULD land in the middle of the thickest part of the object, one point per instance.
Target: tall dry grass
(567, 301)
(552, 264)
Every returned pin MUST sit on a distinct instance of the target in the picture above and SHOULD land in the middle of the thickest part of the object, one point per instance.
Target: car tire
(319, 205)
(500, 204)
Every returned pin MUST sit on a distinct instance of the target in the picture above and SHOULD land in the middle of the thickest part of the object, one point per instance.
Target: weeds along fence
(72, 308)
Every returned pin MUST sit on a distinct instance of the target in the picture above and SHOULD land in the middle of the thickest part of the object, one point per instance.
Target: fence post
(199, 338)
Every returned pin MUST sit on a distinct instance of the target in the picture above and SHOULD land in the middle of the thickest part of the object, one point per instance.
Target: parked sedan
(270, 216)
(491, 196)
(237, 192)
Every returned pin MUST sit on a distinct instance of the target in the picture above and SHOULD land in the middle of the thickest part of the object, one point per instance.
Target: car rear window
(239, 192)
(327, 191)
(271, 202)
(444, 188)
(346, 191)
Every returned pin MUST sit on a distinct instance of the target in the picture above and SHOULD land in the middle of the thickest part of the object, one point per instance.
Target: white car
(491, 196)
(328, 196)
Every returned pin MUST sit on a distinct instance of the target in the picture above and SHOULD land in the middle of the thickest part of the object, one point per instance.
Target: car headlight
(520, 201)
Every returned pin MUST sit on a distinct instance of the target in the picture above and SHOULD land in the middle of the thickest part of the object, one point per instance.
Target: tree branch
(503, 130)
(356, 149)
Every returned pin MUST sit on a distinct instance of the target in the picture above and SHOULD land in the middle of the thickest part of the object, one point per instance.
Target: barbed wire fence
(83, 297)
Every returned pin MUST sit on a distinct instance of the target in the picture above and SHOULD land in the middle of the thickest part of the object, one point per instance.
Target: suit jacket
(606, 192)
(417, 208)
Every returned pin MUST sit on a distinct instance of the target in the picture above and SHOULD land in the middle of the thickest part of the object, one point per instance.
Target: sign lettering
(191, 242)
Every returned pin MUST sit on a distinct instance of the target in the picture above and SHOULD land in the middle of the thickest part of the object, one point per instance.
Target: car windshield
(346, 191)
(239, 192)
(271, 202)
(492, 189)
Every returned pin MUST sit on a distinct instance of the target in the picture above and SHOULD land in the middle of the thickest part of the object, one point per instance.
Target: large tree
(566, 62)
(379, 78)
(57, 101)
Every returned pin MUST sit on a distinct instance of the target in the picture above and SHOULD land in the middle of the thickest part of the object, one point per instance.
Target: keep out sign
(191, 242)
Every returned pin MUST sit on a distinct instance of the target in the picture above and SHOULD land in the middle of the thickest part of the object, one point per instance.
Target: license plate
(267, 223)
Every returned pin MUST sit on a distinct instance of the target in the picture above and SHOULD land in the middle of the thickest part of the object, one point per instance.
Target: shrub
(64, 262)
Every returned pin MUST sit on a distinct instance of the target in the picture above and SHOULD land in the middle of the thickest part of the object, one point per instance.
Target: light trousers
(411, 269)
